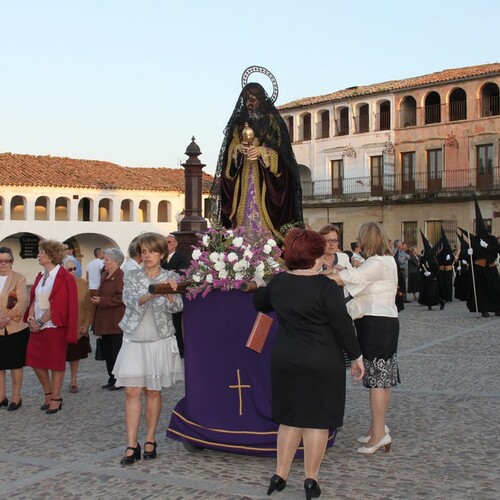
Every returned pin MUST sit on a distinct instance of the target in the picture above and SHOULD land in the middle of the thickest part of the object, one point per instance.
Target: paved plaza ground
(444, 420)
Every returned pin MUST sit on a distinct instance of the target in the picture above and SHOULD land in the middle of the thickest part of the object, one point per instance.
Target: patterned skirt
(378, 338)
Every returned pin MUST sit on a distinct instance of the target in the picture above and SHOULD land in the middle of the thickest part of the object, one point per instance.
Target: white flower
(271, 242)
(238, 276)
(230, 233)
(248, 254)
(219, 265)
(232, 257)
(205, 240)
(238, 241)
(214, 256)
(196, 254)
(197, 278)
(209, 278)
(241, 265)
(267, 249)
(272, 263)
(259, 271)
(222, 274)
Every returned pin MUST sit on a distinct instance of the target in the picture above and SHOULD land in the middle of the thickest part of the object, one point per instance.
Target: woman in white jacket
(149, 357)
(373, 287)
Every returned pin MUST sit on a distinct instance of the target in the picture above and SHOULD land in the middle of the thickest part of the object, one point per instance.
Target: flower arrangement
(224, 259)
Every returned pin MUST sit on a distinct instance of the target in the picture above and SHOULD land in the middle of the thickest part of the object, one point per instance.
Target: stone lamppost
(192, 222)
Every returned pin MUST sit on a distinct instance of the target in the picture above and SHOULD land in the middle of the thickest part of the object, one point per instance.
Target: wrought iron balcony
(447, 183)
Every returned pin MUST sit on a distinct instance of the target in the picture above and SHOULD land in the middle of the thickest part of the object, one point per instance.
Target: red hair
(302, 248)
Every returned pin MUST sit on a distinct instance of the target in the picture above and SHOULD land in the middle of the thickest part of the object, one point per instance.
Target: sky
(132, 81)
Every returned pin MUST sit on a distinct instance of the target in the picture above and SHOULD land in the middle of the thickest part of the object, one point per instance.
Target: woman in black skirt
(307, 363)
(373, 288)
(14, 332)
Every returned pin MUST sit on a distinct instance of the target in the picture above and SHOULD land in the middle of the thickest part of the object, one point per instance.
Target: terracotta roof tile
(53, 171)
(446, 75)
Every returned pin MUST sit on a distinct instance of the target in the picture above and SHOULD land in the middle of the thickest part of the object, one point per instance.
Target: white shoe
(385, 442)
(365, 439)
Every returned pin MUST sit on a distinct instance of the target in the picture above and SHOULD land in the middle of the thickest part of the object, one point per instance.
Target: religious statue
(257, 177)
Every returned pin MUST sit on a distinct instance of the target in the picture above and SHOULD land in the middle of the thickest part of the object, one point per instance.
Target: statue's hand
(253, 153)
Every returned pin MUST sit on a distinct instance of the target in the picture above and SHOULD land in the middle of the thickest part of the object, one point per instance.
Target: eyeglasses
(71, 269)
(5, 261)
(332, 241)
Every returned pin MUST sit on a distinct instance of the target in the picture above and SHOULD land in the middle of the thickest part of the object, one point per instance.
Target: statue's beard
(254, 115)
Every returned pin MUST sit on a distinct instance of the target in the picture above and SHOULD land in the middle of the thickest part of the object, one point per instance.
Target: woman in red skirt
(52, 317)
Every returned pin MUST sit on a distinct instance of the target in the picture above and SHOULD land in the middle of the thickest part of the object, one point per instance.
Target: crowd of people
(331, 305)
(50, 326)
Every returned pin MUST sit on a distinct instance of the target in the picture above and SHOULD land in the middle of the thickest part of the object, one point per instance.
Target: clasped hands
(251, 152)
(4, 321)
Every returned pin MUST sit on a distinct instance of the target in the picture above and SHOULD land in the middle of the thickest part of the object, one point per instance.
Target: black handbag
(99, 351)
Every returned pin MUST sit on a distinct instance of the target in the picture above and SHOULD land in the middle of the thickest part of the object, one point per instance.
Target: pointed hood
(425, 241)
(480, 225)
(465, 232)
(464, 247)
(445, 244)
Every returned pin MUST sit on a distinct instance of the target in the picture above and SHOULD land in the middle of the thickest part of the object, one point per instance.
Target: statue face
(252, 103)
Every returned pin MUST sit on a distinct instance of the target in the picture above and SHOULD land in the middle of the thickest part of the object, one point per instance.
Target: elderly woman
(81, 349)
(149, 358)
(373, 289)
(52, 317)
(14, 332)
(109, 310)
(307, 364)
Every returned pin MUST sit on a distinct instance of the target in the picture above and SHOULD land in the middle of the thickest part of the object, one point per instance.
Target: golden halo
(261, 69)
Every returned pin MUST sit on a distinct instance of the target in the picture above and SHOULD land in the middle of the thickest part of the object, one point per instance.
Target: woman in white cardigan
(149, 357)
(373, 289)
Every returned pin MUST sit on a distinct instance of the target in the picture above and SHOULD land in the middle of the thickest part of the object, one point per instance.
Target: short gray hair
(69, 259)
(115, 254)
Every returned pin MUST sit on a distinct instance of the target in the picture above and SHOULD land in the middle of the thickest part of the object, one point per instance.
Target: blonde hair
(373, 240)
(53, 249)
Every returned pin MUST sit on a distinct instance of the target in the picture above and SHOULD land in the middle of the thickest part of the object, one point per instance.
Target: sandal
(73, 388)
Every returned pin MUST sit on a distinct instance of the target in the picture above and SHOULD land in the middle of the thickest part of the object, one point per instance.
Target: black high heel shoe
(312, 489)
(45, 406)
(130, 459)
(277, 483)
(5, 402)
(149, 455)
(55, 410)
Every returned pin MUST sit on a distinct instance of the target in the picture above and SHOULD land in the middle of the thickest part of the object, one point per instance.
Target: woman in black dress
(307, 364)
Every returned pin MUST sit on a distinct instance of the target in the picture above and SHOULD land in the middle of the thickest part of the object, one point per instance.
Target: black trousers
(111, 344)
(179, 335)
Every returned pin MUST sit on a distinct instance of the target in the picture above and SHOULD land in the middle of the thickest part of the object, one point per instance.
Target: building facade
(408, 153)
(91, 203)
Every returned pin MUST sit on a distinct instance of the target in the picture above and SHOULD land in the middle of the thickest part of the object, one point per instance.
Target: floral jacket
(136, 284)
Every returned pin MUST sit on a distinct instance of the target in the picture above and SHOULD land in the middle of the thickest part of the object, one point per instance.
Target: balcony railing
(451, 182)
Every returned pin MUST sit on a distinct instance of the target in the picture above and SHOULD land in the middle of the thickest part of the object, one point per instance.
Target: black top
(307, 364)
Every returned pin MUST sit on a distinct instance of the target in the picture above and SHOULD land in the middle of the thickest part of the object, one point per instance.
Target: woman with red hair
(307, 364)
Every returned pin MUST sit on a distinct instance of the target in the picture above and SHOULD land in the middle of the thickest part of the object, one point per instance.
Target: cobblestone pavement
(444, 422)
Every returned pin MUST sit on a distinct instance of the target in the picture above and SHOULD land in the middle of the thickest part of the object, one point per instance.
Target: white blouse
(373, 287)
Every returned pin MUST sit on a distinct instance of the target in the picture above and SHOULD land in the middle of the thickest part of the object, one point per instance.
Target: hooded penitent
(484, 245)
(484, 281)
